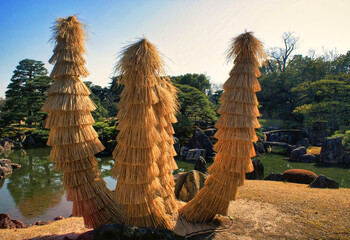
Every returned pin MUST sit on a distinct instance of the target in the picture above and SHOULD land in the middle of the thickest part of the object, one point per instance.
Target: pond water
(35, 192)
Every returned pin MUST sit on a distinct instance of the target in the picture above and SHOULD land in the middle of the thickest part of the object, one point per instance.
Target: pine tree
(72, 137)
(235, 133)
(19, 103)
(145, 127)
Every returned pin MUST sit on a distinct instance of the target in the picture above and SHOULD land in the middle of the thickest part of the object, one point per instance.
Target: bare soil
(264, 210)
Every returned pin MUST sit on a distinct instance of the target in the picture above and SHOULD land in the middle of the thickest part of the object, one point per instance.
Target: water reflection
(35, 191)
(2, 182)
(35, 187)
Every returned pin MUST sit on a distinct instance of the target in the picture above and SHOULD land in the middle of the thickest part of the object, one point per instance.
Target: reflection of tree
(2, 182)
(35, 187)
(105, 165)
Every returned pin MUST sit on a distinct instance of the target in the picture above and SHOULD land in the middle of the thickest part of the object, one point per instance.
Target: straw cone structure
(236, 133)
(166, 109)
(72, 137)
(147, 104)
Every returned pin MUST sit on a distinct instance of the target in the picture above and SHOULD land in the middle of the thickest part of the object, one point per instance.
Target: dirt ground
(264, 210)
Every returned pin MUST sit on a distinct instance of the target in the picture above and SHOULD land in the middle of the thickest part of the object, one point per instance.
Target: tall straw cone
(72, 137)
(144, 153)
(235, 133)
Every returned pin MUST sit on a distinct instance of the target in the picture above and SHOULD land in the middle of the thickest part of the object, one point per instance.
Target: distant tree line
(309, 90)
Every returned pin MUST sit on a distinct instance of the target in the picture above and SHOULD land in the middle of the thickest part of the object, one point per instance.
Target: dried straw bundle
(72, 136)
(166, 109)
(143, 153)
(236, 133)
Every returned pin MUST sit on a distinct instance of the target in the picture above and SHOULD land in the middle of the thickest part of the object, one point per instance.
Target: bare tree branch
(283, 55)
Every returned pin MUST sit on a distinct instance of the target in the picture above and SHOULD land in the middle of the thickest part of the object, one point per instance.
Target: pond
(275, 163)
(35, 192)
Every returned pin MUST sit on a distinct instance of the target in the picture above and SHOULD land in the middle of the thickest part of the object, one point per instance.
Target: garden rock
(200, 165)
(332, 151)
(7, 223)
(324, 182)
(258, 172)
(210, 132)
(193, 154)
(347, 158)
(201, 141)
(188, 185)
(7, 146)
(308, 158)
(259, 147)
(114, 231)
(303, 143)
(29, 142)
(275, 176)
(15, 166)
(297, 153)
(4, 171)
(183, 152)
(299, 176)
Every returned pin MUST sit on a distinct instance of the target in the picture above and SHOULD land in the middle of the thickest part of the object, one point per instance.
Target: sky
(192, 35)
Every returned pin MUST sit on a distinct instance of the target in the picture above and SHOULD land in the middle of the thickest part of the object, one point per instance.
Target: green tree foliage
(25, 93)
(199, 81)
(195, 107)
(276, 97)
(326, 100)
(100, 111)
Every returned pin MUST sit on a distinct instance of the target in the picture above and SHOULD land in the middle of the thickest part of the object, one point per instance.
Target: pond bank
(264, 210)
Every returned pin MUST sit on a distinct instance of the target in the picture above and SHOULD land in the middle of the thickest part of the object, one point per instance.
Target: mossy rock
(189, 184)
(299, 176)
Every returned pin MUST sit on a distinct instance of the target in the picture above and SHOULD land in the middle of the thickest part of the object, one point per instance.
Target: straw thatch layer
(140, 154)
(72, 136)
(235, 133)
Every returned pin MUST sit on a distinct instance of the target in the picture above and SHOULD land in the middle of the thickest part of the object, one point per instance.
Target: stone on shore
(275, 176)
(7, 223)
(324, 182)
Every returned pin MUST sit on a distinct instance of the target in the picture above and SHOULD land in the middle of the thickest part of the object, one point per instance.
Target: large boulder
(258, 172)
(183, 152)
(347, 158)
(297, 153)
(259, 147)
(194, 154)
(200, 165)
(299, 176)
(114, 231)
(275, 176)
(324, 182)
(318, 135)
(201, 141)
(29, 141)
(303, 143)
(332, 151)
(7, 223)
(6, 167)
(308, 158)
(189, 184)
